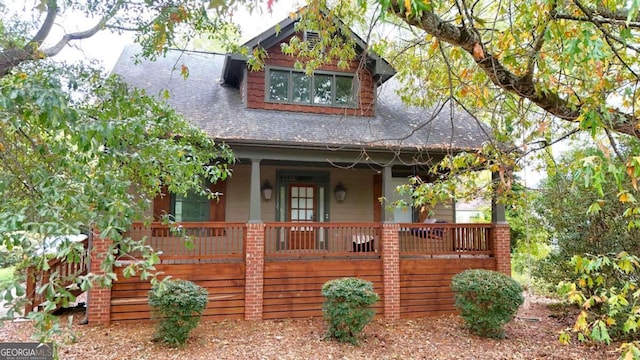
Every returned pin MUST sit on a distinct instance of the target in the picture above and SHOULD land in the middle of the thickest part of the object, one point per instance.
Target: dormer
(329, 90)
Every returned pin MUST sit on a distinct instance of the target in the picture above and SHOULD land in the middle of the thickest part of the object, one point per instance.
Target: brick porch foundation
(99, 298)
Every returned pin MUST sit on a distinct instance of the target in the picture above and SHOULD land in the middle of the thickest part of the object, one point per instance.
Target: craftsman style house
(315, 154)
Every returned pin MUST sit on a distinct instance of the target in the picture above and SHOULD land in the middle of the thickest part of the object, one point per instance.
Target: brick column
(502, 247)
(254, 271)
(99, 298)
(391, 270)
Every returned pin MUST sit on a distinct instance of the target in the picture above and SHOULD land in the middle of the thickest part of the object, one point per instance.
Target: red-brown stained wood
(161, 204)
(256, 81)
(425, 284)
(217, 207)
(292, 289)
(223, 281)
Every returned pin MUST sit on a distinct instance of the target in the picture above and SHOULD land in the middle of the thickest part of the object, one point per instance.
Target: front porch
(275, 270)
(266, 254)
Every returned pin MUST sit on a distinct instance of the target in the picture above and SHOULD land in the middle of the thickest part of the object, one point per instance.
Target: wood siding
(292, 289)
(223, 281)
(425, 284)
(255, 91)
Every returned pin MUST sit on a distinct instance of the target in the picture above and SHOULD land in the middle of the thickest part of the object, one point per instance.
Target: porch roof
(220, 111)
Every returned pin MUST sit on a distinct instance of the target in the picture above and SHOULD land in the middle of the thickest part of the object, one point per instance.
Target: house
(314, 156)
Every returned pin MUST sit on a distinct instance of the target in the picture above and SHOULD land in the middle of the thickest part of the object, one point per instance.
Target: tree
(562, 204)
(80, 150)
(157, 24)
(546, 52)
(538, 72)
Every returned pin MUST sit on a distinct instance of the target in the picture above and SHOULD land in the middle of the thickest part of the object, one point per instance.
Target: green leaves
(486, 300)
(82, 151)
(607, 292)
(346, 307)
(177, 306)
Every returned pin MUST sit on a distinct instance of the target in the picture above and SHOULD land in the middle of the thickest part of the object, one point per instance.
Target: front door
(302, 208)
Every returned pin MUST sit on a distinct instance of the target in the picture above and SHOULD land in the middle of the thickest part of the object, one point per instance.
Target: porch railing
(189, 241)
(445, 239)
(60, 271)
(321, 240)
(217, 241)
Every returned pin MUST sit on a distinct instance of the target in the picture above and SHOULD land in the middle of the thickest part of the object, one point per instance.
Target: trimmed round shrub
(486, 300)
(346, 307)
(177, 306)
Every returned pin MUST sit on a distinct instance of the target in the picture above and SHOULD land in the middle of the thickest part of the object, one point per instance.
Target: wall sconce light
(340, 191)
(267, 190)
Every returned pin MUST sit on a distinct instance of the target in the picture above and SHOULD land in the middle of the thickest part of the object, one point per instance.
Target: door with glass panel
(302, 208)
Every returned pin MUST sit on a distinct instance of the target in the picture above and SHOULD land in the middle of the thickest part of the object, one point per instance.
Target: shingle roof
(219, 111)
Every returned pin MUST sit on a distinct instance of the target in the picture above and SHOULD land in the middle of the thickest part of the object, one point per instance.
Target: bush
(10, 257)
(607, 292)
(177, 306)
(486, 300)
(346, 307)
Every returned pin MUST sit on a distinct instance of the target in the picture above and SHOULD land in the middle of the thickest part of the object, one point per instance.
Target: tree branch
(45, 29)
(55, 49)
(12, 57)
(470, 40)
(537, 46)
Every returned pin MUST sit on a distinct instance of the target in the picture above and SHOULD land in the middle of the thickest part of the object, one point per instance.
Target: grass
(6, 276)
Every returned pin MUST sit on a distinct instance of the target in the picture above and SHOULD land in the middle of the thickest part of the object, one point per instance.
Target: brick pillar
(502, 247)
(254, 271)
(99, 298)
(391, 269)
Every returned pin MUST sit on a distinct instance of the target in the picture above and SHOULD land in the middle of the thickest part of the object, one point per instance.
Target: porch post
(391, 270)
(497, 209)
(254, 271)
(501, 233)
(255, 215)
(387, 192)
(99, 298)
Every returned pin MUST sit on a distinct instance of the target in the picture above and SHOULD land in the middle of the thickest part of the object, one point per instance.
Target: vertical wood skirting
(99, 298)
(391, 270)
(254, 276)
(502, 247)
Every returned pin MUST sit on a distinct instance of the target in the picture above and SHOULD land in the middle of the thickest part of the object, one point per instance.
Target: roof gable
(236, 63)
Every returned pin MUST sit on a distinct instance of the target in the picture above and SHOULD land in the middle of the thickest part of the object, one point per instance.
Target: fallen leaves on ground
(532, 335)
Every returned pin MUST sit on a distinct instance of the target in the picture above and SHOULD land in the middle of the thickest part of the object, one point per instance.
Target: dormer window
(320, 89)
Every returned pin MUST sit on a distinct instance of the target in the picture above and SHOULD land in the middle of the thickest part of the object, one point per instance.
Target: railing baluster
(430, 239)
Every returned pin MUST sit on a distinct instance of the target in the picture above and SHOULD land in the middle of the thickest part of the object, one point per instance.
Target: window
(192, 207)
(322, 89)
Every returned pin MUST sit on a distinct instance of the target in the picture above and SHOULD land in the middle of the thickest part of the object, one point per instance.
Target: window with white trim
(321, 88)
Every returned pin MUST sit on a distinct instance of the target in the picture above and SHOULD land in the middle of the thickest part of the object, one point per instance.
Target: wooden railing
(193, 241)
(213, 241)
(61, 272)
(445, 239)
(321, 240)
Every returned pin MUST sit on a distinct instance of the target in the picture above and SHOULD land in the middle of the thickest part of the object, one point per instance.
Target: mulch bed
(532, 335)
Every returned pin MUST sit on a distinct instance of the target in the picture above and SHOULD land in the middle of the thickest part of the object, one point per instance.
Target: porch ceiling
(327, 155)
